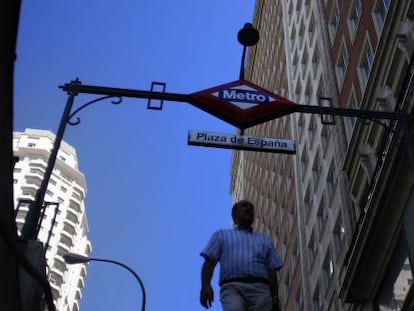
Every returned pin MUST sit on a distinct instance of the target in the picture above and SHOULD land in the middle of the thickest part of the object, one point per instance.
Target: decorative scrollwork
(383, 124)
(116, 101)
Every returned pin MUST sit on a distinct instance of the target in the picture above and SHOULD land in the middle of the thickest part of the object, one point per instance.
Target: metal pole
(241, 75)
(9, 287)
(130, 270)
(32, 217)
(247, 36)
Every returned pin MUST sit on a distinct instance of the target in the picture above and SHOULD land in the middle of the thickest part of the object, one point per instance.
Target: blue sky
(152, 201)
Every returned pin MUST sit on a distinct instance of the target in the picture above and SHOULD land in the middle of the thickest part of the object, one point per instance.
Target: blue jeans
(238, 296)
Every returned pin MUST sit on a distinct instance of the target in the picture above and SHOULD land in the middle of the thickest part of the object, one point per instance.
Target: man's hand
(206, 296)
(206, 293)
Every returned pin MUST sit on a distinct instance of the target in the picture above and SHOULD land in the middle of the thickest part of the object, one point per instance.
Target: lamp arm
(130, 270)
(117, 100)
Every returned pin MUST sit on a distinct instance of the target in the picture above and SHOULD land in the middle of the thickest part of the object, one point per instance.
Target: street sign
(242, 103)
(241, 142)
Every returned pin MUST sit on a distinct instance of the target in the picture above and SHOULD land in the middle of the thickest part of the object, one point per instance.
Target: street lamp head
(72, 258)
(248, 36)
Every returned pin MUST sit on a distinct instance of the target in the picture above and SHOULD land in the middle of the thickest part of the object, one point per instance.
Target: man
(248, 265)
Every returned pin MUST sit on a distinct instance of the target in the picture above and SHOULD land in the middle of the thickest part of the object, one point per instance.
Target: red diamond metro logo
(241, 103)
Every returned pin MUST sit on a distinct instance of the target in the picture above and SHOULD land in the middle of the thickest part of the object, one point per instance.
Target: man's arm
(206, 293)
(274, 290)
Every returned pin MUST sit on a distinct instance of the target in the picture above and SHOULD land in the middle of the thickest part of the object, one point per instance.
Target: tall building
(342, 225)
(63, 226)
(372, 52)
(268, 179)
(321, 200)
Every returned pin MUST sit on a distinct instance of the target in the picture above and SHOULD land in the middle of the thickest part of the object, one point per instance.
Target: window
(291, 219)
(342, 65)
(327, 270)
(295, 256)
(311, 129)
(410, 12)
(301, 34)
(325, 135)
(284, 246)
(304, 61)
(308, 201)
(72, 217)
(316, 168)
(56, 279)
(298, 5)
(316, 300)
(308, 92)
(351, 121)
(366, 64)
(322, 216)
(354, 17)
(297, 91)
(289, 179)
(298, 300)
(69, 228)
(65, 240)
(295, 62)
(292, 39)
(334, 21)
(315, 60)
(339, 234)
(312, 249)
(66, 177)
(311, 29)
(301, 124)
(304, 161)
(380, 12)
(331, 181)
(290, 8)
(31, 145)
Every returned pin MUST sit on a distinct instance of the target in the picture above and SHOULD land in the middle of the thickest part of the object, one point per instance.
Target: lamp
(72, 258)
(247, 36)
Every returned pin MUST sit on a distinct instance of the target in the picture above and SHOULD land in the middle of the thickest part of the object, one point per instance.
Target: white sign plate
(241, 142)
(244, 96)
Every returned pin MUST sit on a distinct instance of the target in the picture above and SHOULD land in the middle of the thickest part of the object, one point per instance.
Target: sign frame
(241, 142)
(242, 118)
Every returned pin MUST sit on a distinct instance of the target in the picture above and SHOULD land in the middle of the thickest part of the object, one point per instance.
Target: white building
(63, 225)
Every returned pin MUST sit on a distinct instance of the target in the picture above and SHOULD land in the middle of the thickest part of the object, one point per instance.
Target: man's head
(243, 213)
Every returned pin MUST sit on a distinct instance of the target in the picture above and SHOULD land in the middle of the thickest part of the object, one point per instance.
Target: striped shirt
(242, 254)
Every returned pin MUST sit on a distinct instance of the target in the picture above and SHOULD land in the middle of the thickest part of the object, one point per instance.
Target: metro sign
(242, 104)
(243, 97)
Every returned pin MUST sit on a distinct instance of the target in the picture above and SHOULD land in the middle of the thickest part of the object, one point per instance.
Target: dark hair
(242, 203)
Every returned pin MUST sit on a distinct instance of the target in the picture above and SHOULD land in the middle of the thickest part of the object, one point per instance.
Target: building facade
(376, 40)
(268, 179)
(63, 227)
(349, 188)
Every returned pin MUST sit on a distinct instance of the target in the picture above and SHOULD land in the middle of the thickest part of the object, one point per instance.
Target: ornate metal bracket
(116, 101)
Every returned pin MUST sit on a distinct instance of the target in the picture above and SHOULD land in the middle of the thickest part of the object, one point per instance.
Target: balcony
(75, 206)
(375, 236)
(29, 189)
(69, 228)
